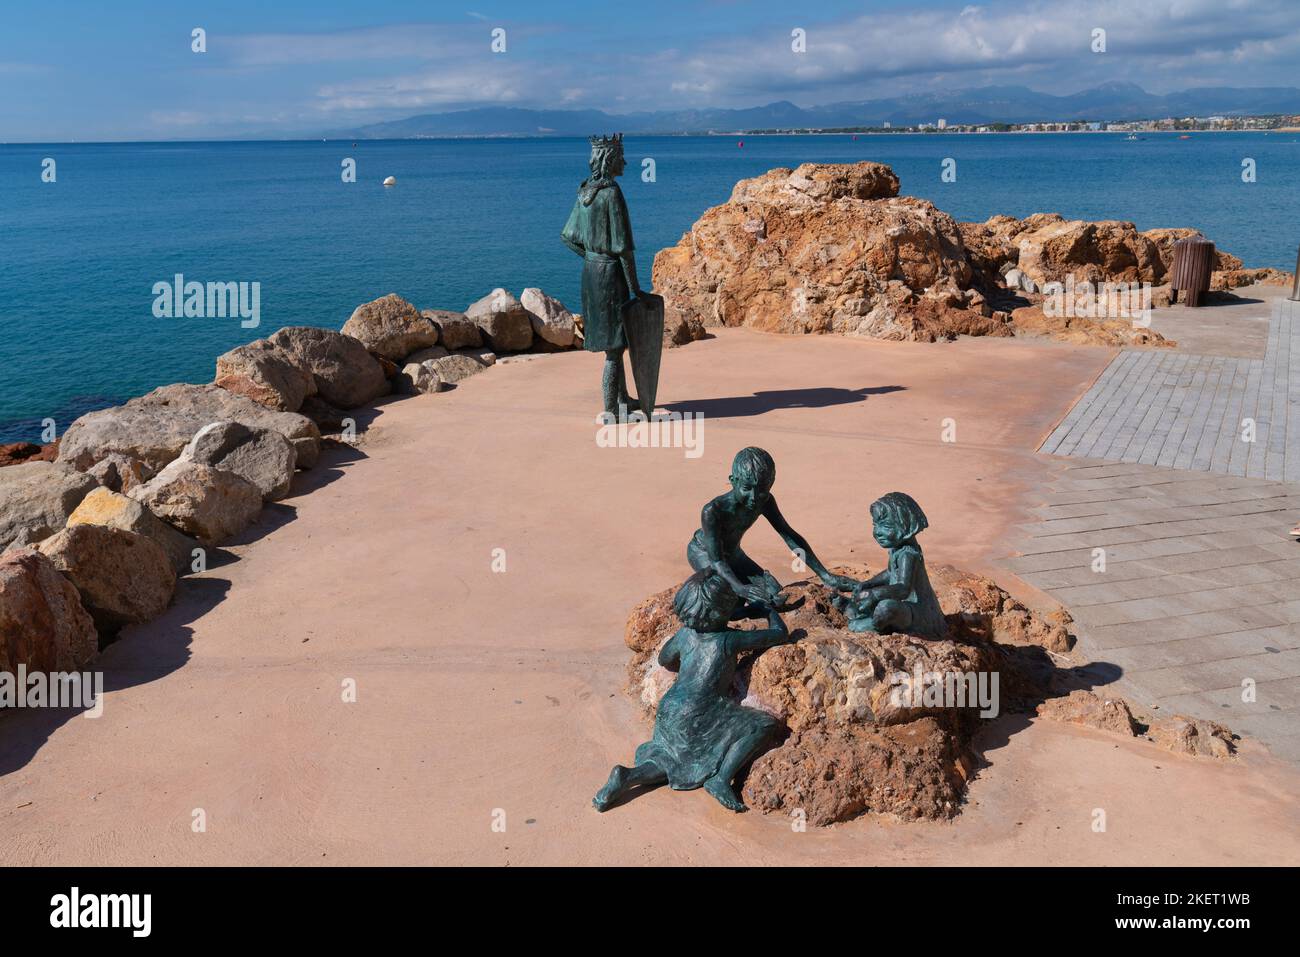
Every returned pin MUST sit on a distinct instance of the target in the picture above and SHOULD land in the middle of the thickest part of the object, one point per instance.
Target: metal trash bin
(1193, 263)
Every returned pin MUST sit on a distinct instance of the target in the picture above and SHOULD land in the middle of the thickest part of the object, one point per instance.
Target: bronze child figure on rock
(703, 737)
(725, 520)
(900, 598)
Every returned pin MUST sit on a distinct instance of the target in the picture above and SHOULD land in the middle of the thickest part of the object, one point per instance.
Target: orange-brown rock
(43, 625)
(1086, 708)
(1193, 736)
(1080, 330)
(1228, 279)
(914, 771)
(12, 453)
(824, 248)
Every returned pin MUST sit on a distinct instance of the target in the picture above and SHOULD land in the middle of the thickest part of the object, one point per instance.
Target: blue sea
(79, 257)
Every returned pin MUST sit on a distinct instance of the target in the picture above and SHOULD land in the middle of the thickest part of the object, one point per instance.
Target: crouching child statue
(703, 737)
(900, 598)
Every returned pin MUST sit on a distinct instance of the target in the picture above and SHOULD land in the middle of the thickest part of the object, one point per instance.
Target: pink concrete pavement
(480, 692)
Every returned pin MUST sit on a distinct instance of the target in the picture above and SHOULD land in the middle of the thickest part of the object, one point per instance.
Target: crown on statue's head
(615, 140)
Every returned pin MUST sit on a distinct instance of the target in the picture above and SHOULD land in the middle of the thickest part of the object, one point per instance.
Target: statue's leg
(737, 756)
(623, 396)
(891, 615)
(621, 780)
(610, 380)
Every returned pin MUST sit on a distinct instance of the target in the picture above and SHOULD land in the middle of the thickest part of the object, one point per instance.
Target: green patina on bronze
(600, 231)
(726, 519)
(703, 737)
(900, 598)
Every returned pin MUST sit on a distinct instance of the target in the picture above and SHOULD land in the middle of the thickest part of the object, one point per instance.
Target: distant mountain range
(989, 104)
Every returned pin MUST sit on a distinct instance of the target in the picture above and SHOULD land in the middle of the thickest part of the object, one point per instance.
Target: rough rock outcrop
(42, 622)
(36, 499)
(11, 453)
(1034, 321)
(265, 373)
(391, 327)
(833, 248)
(209, 504)
(552, 323)
(153, 429)
(455, 330)
(115, 510)
(823, 248)
(504, 321)
(262, 457)
(1091, 711)
(1194, 737)
(123, 578)
(345, 373)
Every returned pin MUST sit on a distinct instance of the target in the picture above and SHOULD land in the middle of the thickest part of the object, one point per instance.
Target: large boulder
(209, 504)
(346, 374)
(822, 249)
(123, 578)
(115, 510)
(261, 457)
(455, 330)
(504, 321)
(36, 499)
(266, 374)
(552, 323)
(391, 327)
(153, 429)
(42, 622)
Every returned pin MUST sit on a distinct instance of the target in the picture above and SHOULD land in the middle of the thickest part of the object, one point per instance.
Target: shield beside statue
(643, 321)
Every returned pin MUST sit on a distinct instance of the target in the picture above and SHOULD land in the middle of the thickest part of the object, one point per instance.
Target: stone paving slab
(1179, 410)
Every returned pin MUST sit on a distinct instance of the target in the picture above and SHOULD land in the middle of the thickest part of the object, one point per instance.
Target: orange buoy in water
(740, 145)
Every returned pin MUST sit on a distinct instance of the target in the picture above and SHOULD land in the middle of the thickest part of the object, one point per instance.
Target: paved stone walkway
(1180, 410)
(1200, 588)
(1198, 598)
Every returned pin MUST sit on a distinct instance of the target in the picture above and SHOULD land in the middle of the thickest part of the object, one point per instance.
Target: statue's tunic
(698, 721)
(600, 230)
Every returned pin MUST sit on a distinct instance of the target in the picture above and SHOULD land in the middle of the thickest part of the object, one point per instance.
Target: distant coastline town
(1169, 124)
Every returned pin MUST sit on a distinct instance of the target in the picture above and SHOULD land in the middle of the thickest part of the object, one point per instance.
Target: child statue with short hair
(725, 520)
(900, 597)
(702, 737)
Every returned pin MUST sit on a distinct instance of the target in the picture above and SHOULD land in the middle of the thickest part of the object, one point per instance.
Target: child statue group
(702, 736)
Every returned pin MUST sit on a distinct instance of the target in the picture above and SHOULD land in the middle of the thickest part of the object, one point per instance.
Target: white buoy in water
(391, 181)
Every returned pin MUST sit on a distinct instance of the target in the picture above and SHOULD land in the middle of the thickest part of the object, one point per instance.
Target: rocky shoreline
(96, 528)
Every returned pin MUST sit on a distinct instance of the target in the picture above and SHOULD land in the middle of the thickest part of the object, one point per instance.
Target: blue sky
(125, 70)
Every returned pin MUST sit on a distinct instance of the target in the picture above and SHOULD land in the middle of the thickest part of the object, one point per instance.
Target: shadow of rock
(746, 405)
(141, 654)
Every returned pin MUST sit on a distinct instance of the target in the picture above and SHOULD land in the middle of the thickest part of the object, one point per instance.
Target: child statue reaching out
(702, 737)
(726, 519)
(900, 597)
